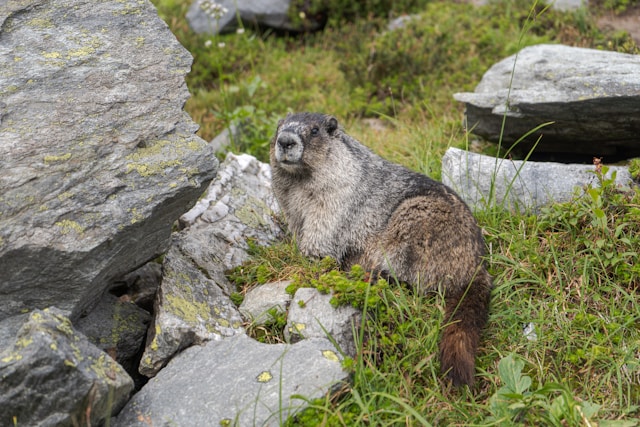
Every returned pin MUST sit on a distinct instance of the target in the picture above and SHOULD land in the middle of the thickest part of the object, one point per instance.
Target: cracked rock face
(98, 158)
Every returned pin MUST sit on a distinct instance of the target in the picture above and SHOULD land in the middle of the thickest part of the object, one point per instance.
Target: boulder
(193, 305)
(591, 96)
(484, 181)
(98, 157)
(311, 315)
(53, 376)
(236, 381)
(213, 17)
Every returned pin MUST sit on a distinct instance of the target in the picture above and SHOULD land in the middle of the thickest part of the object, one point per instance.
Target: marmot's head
(303, 141)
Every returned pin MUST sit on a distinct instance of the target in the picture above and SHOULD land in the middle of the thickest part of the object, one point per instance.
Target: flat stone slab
(591, 96)
(236, 381)
(484, 181)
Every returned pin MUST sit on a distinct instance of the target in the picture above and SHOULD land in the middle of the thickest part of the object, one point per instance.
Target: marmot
(342, 200)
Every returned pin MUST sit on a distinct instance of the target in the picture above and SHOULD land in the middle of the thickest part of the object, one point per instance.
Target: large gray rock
(51, 375)
(484, 181)
(592, 96)
(98, 158)
(193, 305)
(213, 17)
(237, 382)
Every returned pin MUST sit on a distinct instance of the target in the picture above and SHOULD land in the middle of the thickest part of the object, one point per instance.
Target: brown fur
(342, 200)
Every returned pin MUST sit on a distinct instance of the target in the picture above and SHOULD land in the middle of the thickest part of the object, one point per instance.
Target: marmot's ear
(332, 124)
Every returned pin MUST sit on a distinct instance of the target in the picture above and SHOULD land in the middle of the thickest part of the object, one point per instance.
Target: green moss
(634, 169)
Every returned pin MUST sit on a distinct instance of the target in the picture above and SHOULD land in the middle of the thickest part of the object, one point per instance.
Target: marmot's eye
(315, 131)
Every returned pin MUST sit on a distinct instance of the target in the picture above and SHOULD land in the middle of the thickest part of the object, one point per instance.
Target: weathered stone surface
(98, 158)
(118, 328)
(516, 184)
(190, 309)
(261, 299)
(592, 96)
(265, 13)
(311, 315)
(192, 305)
(52, 375)
(236, 381)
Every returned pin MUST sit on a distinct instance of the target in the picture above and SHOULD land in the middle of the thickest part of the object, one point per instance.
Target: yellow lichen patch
(55, 159)
(13, 357)
(297, 327)
(23, 342)
(105, 368)
(191, 312)
(52, 55)
(154, 342)
(330, 355)
(135, 215)
(264, 377)
(69, 363)
(67, 226)
(148, 169)
(64, 196)
(147, 362)
(40, 23)
(81, 52)
(139, 41)
(64, 326)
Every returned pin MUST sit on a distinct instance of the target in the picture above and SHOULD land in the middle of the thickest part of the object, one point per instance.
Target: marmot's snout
(288, 148)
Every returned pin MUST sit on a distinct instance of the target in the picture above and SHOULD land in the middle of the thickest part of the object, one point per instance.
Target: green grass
(571, 272)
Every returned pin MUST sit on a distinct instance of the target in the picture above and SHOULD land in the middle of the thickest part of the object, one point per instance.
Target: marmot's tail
(466, 313)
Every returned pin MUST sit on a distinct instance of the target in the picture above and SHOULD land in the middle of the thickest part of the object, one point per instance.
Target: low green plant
(551, 404)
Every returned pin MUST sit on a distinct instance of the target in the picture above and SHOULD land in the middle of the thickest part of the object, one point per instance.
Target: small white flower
(208, 43)
(213, 9)
(221, 44)
(240, 31)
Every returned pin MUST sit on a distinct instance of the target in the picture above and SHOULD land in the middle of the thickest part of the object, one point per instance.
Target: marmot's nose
(286, 141)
